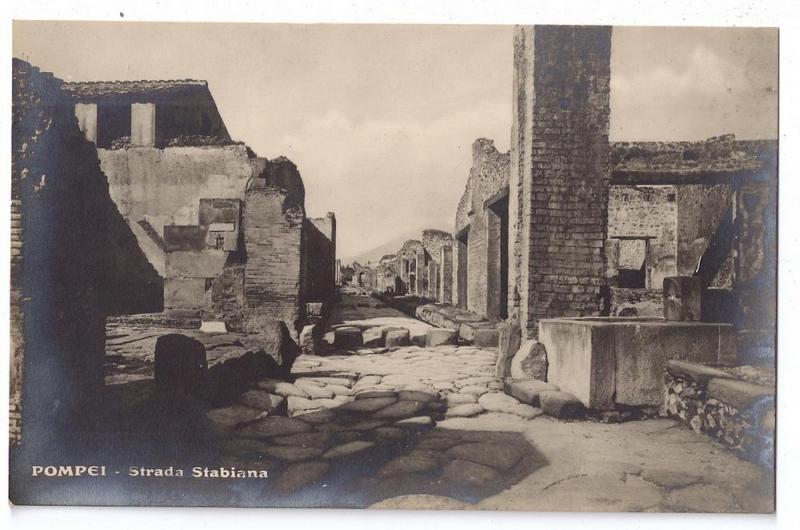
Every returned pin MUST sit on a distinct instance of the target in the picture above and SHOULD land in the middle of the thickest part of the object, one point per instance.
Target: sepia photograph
(518, 267)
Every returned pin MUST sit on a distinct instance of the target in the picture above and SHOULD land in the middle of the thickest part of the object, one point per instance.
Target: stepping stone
(462, 473)
(408, 464)
(416, 422)
(298, 404)
(395, 338)
(348, 449)
(274, 426)
(229, 417)
(258, 399)
(486, 338)
(501, 457)
(562, 405)
(282, 388)
(416, 395)
(388, 329)
(348, 338)
(299, 476)
(440, 336)
(292, 453)
(467, 410)
(368, 404)
(213, 326)
(528, 390)
(316, 417)
(497, 402)
(460, 399)
(401, 409)
(366, 394)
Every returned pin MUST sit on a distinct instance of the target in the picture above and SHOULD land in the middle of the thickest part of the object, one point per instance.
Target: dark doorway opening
(113, 123)
(462, 243)
(498, 239)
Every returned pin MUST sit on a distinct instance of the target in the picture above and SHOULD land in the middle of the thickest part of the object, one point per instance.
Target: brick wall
(487, 181)
(273, 228)
(560, 170)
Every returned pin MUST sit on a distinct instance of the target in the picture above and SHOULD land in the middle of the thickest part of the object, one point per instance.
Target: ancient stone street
(423, 427)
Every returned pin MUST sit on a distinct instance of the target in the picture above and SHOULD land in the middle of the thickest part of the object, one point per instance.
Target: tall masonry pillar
(558, 184)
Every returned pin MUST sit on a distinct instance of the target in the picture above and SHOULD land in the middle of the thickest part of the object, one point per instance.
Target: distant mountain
(390, 247)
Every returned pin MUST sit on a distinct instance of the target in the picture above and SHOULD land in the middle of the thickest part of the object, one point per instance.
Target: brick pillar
(273, 241)
(143, 124)
(559, 171)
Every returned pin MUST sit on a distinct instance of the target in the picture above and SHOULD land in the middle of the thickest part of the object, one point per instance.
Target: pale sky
(380, 119)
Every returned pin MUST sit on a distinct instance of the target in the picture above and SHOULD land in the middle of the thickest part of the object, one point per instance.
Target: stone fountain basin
(617, 360)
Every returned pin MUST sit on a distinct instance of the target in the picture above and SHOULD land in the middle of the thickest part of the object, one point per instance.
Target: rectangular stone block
(682, 296)
(622, 360)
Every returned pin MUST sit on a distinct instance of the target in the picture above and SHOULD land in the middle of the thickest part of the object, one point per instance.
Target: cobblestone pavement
(428, 428)
(420, 427)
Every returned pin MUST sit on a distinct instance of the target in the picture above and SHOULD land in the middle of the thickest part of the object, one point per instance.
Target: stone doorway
(497, 277)
(462, 278)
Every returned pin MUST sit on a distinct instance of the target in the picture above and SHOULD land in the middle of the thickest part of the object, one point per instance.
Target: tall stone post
(558, 186)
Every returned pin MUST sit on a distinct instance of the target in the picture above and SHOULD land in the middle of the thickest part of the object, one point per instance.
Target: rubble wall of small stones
(647, 211)
(749, 432)
(488, 177)
(560, 151)
(74, 258)
(273, 229)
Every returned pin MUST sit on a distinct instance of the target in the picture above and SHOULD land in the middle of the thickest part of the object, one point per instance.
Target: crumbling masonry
(227, 230)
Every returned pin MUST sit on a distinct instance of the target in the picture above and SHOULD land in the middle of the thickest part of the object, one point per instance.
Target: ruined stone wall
(319, 258)
(700, 210)
(273, 238)
(436, 243)
(488, 180)
(646, 212)
(560, 168)
(75, 260)
(412, 279)
(165, 186)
